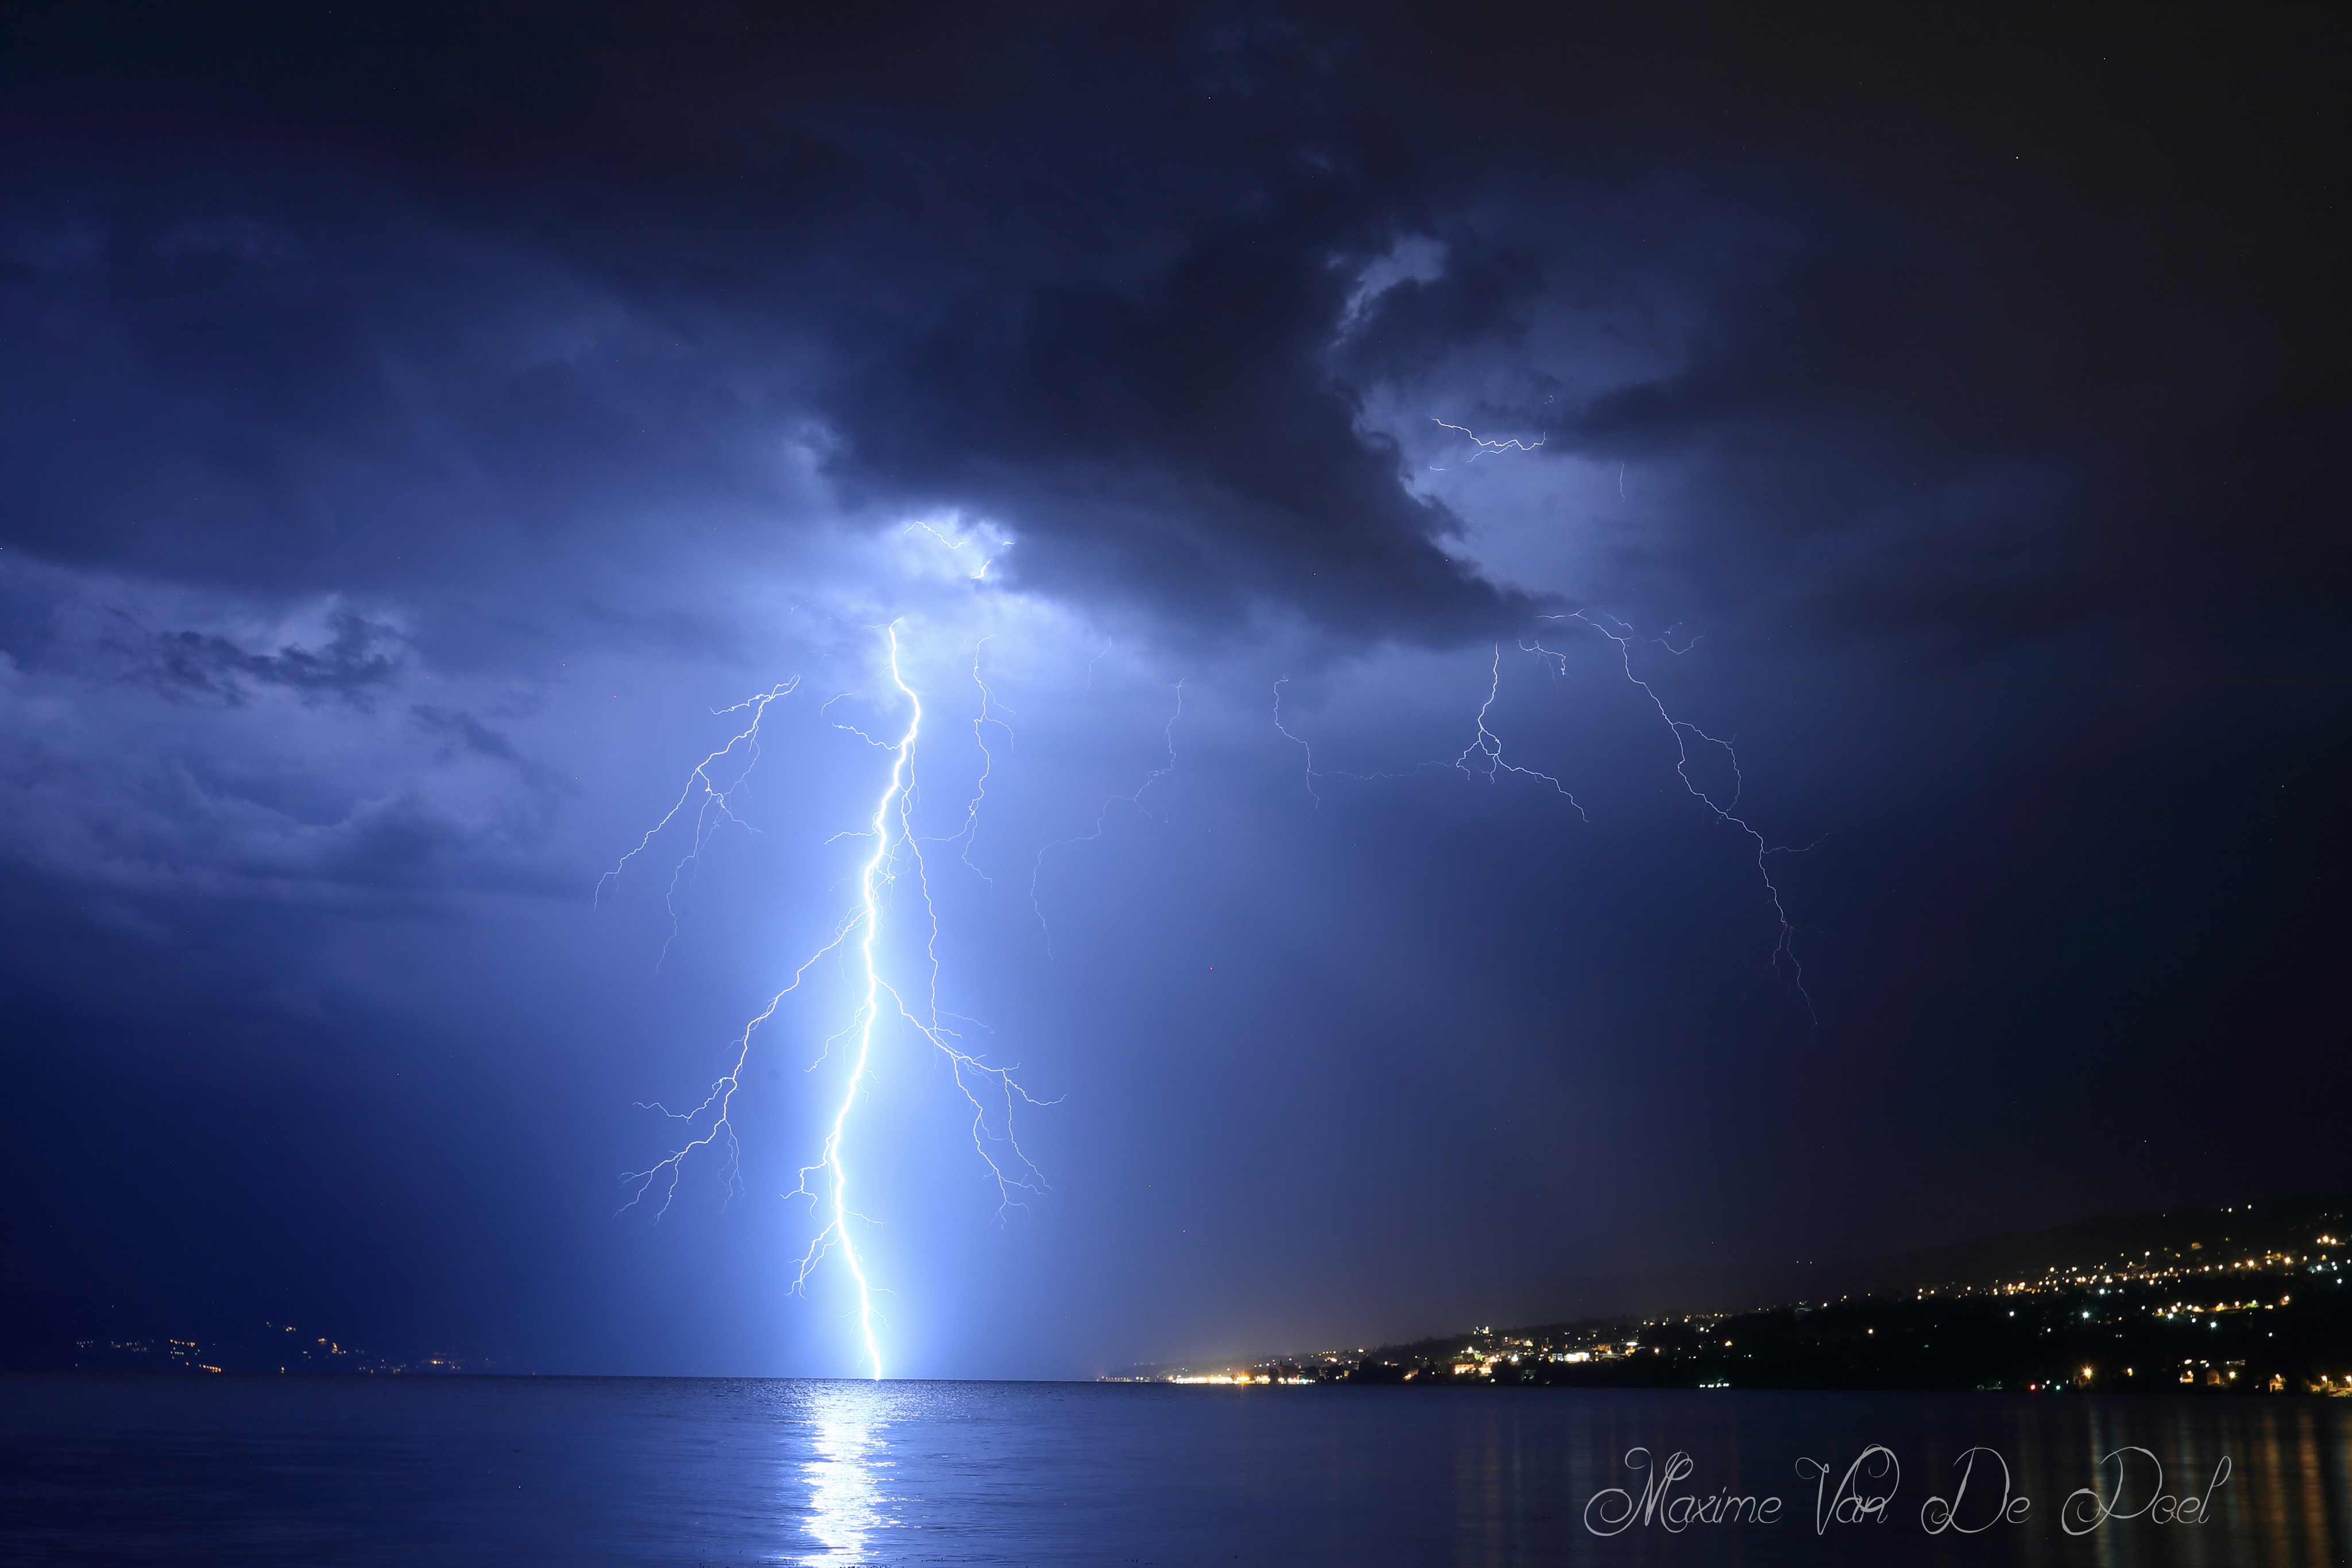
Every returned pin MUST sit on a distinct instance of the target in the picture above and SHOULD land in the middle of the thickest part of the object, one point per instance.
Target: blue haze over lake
(252, 1471)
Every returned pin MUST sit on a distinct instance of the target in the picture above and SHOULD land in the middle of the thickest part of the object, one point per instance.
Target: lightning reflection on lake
(136, 1469)
(846, 1505)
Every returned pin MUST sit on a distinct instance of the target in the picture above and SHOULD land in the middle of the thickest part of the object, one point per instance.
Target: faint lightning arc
(1483, 758)
(1300, 741)
(1134, 798)
(1683, 731)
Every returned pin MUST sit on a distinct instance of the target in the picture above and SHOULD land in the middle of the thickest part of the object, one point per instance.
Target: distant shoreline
(2246, 1300)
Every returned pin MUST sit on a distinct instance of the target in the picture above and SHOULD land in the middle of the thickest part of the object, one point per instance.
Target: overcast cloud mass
(418, 425)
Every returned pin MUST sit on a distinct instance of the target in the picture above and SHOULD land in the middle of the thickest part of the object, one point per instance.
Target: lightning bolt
(1299, 741)
(895, 857)
(1481, 447)
(1313, 772)
(896, 849)
(869, 918)
(1488, 748)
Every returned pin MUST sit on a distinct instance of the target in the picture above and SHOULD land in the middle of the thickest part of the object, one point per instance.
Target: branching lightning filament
(713, 801)
(1487, 747)
(1483, 758)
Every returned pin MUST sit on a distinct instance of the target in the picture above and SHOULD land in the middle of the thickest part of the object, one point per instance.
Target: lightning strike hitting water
(836, 1231)
(895, 850)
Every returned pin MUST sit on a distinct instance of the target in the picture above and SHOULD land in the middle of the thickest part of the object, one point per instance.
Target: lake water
(161, 1469)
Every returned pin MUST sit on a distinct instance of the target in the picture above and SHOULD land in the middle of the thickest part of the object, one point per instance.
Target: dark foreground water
(160, 1470)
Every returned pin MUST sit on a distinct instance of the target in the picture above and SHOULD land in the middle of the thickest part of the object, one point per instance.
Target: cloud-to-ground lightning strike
(869, 919)
(896, 848)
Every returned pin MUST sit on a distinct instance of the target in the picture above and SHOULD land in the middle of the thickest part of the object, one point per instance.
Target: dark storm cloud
(360, 659)
(1193, 439)
(205, 751)
(1483, 296)
(463, 731)
(294, 281)
(1102, 319)
(1967, 442)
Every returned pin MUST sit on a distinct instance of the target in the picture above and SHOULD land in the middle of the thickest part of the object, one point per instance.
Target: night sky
(419, 419)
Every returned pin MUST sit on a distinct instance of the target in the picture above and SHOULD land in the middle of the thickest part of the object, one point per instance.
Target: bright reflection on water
(846, 1502)
(259, 1472)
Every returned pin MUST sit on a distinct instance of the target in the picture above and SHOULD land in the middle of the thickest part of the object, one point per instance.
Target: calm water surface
(161, 1469)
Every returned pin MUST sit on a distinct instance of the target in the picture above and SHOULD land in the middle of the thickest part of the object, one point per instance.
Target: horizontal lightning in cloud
(1480, 447)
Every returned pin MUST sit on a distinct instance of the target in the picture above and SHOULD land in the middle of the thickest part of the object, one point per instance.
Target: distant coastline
(2248, 1300)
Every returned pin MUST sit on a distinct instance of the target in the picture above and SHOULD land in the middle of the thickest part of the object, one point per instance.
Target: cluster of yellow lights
(2056, 1278)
